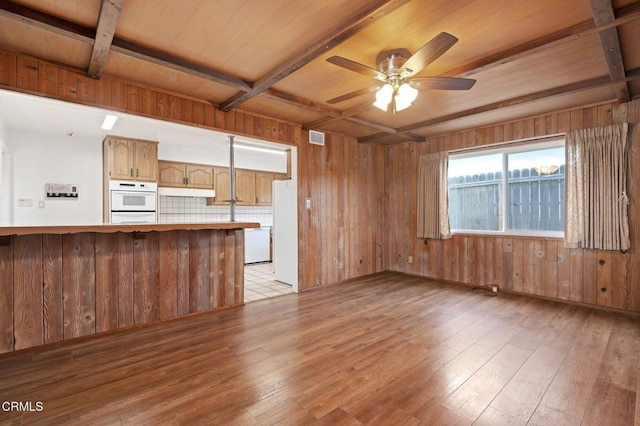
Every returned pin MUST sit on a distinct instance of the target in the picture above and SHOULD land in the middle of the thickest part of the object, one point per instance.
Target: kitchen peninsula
(63, 282)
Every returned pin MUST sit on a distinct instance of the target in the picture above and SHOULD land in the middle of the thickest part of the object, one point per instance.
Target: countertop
(107, 228)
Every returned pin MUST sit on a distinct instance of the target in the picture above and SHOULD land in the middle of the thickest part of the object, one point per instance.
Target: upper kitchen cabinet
(264, 181)
(130, 159)
(222, 185)
(181, 175)
(246, 187)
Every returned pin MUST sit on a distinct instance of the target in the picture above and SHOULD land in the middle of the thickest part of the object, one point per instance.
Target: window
(515, 190)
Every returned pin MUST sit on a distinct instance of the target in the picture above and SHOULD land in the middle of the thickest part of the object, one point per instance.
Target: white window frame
(505, 151)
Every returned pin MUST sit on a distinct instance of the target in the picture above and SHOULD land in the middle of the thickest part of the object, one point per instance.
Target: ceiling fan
(394, 72)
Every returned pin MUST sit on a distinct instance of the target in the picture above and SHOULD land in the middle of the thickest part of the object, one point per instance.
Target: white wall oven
(133, 202)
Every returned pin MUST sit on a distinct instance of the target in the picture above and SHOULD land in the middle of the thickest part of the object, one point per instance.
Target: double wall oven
(133, 202)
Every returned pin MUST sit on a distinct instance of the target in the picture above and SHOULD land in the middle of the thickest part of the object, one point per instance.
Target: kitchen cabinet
(130, 159)
(252, 187)
(184, 175)
(245, 187)
(222, 185)
(263, 182)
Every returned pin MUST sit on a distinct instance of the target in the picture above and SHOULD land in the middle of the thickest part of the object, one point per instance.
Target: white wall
(218, 155)
(44, 158)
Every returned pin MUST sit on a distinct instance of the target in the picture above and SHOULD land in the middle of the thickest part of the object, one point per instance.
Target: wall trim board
(533, 296)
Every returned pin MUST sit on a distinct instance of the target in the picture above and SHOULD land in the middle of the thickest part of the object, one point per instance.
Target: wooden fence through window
(535, 200)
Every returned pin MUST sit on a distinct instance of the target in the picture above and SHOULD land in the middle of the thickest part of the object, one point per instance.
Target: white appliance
(285, 232)
(257, 245)
(133, 202)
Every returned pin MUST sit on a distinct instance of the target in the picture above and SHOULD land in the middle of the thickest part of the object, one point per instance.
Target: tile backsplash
(195, 209)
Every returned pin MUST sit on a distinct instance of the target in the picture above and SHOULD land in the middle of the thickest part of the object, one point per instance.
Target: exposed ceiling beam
(373, 12)
(87, 35)
(625, 14)
(367, 123)
(593, 83)
(603, 14)
(299, 102)
(109, 14)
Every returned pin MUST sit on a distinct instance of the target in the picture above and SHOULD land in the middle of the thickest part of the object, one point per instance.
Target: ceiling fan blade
(428, 53)
(356, 67)
(442, 83)
(354, 94)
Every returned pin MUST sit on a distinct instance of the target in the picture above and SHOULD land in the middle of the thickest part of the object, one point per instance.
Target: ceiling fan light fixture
(383, 97)
(405, 97)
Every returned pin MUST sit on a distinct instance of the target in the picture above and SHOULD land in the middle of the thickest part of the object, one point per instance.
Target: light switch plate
(307, 203)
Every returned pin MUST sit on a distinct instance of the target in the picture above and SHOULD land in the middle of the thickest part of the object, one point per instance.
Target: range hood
(186, 192)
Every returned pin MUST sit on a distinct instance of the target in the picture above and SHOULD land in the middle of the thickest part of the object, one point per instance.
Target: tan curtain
(433, 196)
(596, 199)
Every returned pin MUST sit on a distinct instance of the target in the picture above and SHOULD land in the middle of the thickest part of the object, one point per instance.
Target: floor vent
(316, 138)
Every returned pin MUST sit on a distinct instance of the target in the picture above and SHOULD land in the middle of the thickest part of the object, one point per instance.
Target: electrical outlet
(494, 288)
(41, 204)
(410, 259)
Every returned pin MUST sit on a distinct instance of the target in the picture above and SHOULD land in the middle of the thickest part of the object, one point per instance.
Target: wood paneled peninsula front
(63, 282)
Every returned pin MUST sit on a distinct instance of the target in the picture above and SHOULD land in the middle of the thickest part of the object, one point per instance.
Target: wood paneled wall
(538, 266)
(59, 287)
(341, 237)
(30, 75)
(362, 218)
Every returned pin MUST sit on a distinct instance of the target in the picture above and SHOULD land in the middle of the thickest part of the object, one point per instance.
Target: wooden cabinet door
(199, 176)
(171, 173)
(120, 159)
(222, 185)
(246, 187)
(264, 182)
(146, 161)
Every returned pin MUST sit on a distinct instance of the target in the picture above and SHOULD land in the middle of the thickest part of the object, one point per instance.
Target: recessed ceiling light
(108, 122)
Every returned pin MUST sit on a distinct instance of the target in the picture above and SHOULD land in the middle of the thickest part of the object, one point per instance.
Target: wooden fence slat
(603, 278)
(551, 268)
(229, 270)
(27, 279)
(6, 297)
(145, 278)
(564, 272)
(199, 271)
(106, 252)
(48, 78)
(589, 272)
(52, 281)
(79, 286)
(125, 280)
(168, 276)
(518, 264)
(8, 69)
(182, 274)
(27, 73)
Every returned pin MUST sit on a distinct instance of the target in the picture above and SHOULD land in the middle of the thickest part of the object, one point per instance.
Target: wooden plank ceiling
(269, 57)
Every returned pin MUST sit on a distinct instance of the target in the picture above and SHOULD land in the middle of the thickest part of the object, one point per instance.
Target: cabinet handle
(137, 172)
(186, 181)
(131, 172)
(256, 200)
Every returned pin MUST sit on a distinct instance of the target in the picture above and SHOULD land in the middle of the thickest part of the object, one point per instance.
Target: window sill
(541, 235)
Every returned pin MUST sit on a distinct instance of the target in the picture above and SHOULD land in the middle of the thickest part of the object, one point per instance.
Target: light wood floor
(385, 350)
